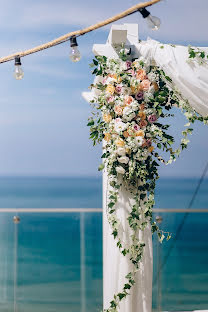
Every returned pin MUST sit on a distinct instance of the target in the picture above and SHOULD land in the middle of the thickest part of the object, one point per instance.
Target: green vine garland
(131, 98)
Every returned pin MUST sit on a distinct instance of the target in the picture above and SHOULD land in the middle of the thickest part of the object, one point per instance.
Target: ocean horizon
(86, 192)
(58, 256)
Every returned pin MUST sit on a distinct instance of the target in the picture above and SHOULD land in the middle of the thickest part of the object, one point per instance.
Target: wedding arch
(136, 85)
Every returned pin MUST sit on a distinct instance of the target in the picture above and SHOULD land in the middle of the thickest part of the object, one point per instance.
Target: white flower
(142, 155)
(119, 125)
(134, 105)
(128, 113)
(123, 160)
(152, 76)
(110, 80)
(121, 151)
(126, 91)
(120, 169)
(139, 141)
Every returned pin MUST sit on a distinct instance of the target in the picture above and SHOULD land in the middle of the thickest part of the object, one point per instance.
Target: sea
(52, 261)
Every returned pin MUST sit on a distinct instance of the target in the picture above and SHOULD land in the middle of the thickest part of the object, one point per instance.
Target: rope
(77, 33)
(180, 227)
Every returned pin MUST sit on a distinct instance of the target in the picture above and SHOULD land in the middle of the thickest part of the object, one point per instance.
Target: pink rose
(110, 99)
(118, 110)
(139, 96)
(152, 118)
(145, 84)
(128, 64)
(118, 88)
(136, 127)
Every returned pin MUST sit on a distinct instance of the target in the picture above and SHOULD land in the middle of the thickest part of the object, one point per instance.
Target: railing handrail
(93, 210)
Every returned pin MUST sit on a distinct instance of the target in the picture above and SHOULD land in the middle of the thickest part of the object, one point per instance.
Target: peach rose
(126, 134)
(107, 117)
(155, 85)
(119, 142)
(150, 149)
(142, 115)
(114, 76)
(107, 137)
(119, 79)
(118, 110)
(143, 123)
(141, 74)
(142, 106)
(110, 89)
(140, 133)
(128, 100)
(145, 84)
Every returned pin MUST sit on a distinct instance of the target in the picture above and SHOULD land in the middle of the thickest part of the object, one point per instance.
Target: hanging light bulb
(153, 22)
(18, 71)
(74, 55)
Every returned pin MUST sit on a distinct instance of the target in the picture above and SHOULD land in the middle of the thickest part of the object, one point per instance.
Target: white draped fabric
(190, 78)
(192, 81)
(116, 266)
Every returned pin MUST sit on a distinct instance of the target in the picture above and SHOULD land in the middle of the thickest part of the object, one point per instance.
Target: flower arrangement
(132, 97)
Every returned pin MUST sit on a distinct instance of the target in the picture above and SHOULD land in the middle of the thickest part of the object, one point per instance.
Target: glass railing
(52, 260)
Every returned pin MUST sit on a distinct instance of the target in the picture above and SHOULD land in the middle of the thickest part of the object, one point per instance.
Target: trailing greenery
(131, 100)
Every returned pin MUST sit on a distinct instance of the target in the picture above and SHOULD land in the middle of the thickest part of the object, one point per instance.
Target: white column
(116, 266)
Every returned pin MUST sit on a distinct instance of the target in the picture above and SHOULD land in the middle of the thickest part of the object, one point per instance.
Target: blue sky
(43, 117)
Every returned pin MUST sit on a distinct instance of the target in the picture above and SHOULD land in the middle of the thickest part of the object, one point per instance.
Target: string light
(74, 55)
(153, 22)
(18, 71)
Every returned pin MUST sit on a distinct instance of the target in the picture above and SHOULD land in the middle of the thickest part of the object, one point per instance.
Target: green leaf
(121, 296)
(111, 204)
(95, 62)
(127, 286)
(91, 123)
(168, 78)
(101, 167)
(113, 304)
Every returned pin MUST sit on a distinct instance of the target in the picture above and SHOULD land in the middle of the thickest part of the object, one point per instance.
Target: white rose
(128, 113)
(134, 105)
(110, 80)
(123, 160)
(121, 151)
(126, 91)
(119, 126)
(120, 170)
(139, 141)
